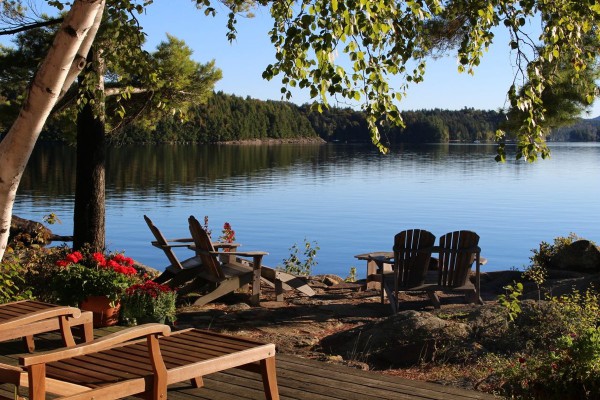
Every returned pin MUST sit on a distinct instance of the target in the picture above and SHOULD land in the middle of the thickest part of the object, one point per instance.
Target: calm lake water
(349, 199)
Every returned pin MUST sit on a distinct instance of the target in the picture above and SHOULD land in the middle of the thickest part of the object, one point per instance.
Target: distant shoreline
(269, 141)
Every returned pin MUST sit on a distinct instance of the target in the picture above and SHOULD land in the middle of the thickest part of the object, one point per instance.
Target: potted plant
(94, 282)
(149, 302)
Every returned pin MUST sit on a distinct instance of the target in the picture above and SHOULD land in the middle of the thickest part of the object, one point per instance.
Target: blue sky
(243, 61)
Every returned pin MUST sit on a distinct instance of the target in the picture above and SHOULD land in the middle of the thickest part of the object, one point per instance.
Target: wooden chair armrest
(181, 240)
(40, 316)
(473, 249)
(225, 245)
(168, 246)
(104, 343)
(240, 253)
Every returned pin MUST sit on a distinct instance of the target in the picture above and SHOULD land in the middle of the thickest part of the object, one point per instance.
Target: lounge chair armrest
(41, 315)
(107, 342)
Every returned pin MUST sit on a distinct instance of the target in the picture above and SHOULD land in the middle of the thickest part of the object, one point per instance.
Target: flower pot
(104, 314)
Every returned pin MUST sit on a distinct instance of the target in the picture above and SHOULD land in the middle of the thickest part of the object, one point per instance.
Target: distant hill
(585, 130)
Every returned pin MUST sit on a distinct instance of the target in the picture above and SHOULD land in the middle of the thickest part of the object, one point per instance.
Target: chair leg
(269, 378)
(473, 297)
(278, 290)
(221, 290)
(434, 299)
(197, 382)
(29, 343)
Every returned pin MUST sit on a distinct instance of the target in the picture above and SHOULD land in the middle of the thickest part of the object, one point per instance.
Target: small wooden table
(373, 278)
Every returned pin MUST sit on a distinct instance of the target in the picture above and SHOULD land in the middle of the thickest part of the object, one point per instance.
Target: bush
(541, 257)
(552, 350)
(149, 302)
(13, 286)
(295, 265)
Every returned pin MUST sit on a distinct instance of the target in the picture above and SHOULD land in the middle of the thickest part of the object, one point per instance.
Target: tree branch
(33, 25)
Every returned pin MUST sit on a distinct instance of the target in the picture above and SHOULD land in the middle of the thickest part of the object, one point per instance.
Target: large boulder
(406, 338)
(579, 256)
(28, 232)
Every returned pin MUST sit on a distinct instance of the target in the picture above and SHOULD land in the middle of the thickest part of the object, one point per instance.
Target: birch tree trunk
(64, 60)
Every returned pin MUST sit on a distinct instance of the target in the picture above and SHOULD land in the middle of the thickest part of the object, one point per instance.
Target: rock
(406, 338)
(580, 256)
(152, 273)
(329, 280)
(28, 232)
(239, 307)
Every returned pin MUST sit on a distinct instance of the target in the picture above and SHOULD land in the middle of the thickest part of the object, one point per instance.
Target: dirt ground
(298, 324)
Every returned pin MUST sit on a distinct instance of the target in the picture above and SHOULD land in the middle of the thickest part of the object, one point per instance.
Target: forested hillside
(232, 118)
(423, 126)
(586, 130)
(227, 118)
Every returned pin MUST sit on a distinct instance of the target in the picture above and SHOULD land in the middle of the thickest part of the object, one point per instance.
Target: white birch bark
(55, 75)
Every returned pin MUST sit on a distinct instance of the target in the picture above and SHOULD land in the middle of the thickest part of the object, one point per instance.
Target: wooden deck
(297, 378)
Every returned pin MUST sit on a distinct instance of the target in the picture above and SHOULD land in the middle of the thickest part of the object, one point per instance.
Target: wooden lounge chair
(24, 319)
(412, 253)
(117, 365)
(223, 270)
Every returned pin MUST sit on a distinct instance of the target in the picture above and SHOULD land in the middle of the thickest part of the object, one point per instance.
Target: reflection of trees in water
(169, 168)
(51, 170)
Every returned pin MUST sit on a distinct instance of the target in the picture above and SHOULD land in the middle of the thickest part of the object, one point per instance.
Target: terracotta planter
(104, 314)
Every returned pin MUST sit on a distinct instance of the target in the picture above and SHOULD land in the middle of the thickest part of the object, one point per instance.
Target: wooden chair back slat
(455, 259)
(163, 244)
(203, 248)
(411, 262)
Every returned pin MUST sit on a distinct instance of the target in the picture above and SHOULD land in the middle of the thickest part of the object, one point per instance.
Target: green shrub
(542, 256)
(295, 265)
(552, 350)
(12, 280)
(149, 302)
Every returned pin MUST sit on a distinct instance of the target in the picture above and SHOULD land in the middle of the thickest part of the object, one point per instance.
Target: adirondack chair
(223, 269)
(118, 365)
(457, 252)
(183, 270)
(412, 253)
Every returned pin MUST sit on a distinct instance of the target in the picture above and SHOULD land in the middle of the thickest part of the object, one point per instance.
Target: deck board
(297, 378)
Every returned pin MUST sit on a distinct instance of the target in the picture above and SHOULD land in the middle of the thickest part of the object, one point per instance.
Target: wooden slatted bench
(23, 319)
(115, 367)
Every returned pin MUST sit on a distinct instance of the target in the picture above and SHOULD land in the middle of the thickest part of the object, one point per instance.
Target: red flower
(62, 263)
(522, 360)
(100, 259)
(74, 257)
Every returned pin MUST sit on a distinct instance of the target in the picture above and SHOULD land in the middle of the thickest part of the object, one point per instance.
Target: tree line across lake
(226, 118)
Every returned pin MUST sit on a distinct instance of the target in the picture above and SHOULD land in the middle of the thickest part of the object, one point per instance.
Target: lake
(347, 198)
